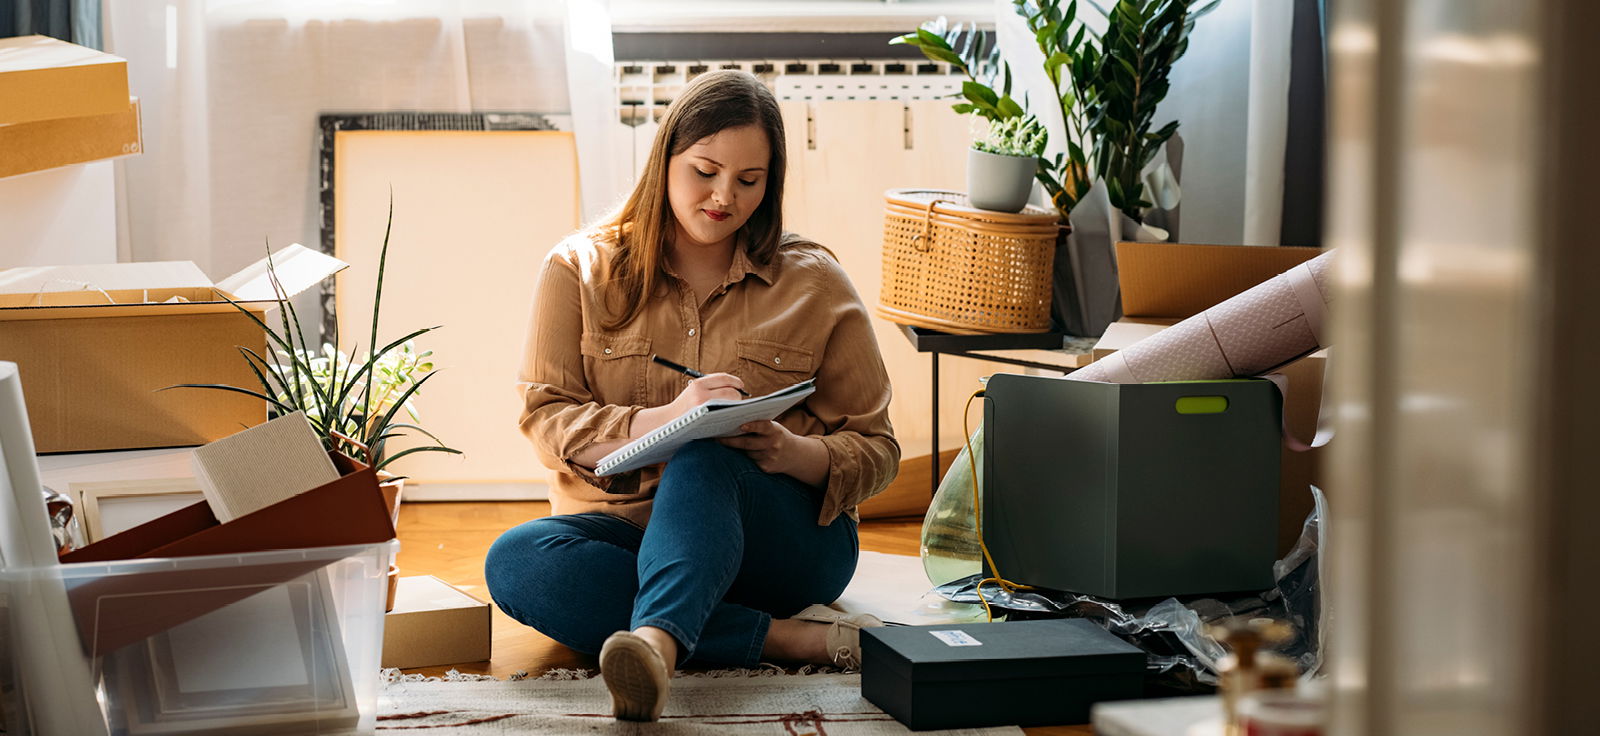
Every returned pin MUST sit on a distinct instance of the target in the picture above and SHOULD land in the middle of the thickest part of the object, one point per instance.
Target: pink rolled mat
(1269, 325)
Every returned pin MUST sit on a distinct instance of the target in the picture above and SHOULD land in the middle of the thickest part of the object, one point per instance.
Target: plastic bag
(1171, 631)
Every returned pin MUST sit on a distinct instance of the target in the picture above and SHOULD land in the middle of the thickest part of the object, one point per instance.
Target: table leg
(934, 458)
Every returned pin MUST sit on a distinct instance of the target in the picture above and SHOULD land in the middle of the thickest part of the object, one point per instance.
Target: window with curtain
(75, 21)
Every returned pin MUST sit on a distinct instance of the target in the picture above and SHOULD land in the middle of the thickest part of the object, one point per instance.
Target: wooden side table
(1051, 351)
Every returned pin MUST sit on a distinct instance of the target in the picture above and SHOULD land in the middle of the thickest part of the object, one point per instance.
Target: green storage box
(1132, 490)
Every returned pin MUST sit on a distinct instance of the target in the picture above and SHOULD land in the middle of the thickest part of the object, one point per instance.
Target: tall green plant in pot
(1106, 87)
(353, 400)
(1131, 71)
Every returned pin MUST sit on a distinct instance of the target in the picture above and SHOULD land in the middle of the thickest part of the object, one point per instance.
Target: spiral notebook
(715, 418)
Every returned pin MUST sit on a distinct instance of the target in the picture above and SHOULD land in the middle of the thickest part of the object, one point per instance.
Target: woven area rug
(786, 705)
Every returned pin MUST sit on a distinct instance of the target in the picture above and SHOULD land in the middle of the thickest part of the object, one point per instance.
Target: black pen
(690, 372)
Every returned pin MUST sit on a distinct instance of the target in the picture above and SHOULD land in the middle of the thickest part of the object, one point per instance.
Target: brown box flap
(1180, 280)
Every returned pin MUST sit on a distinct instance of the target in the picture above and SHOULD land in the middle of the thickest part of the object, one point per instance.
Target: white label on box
(956, 638)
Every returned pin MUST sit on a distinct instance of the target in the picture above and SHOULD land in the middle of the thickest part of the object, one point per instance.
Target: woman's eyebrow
(715, 162)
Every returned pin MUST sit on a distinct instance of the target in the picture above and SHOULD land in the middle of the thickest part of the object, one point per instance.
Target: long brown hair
(713, 102)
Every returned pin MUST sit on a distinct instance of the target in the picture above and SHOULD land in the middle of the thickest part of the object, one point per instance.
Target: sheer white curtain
(232, 90)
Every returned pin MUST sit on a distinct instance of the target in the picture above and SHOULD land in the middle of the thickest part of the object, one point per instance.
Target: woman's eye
(704, 174)
(747, 183)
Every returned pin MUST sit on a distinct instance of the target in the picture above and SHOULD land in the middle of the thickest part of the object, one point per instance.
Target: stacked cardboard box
(62, 104)
(1165, 283)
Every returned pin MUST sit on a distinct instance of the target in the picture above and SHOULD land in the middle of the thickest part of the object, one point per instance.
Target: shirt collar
(742, 265)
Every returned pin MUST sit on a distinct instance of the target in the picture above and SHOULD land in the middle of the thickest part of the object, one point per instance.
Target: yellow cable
(977, 517)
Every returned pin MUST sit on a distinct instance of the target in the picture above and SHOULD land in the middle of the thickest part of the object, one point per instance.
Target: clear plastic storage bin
(274, 642)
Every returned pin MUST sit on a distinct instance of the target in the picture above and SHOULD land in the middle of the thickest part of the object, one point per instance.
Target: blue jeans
(728, 548)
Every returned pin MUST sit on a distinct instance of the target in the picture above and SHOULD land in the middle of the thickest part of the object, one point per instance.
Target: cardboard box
(434, 623)
(1021, 673)
(48, 144)
(95, 345)
(1171, 281)
(42, 78)
(1165, 283)
(1140, 490)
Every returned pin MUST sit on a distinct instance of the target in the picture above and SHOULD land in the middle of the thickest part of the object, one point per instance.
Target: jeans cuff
(685, 644)
(759, 640)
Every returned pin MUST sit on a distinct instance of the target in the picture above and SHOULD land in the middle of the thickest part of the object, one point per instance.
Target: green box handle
(1201, 404)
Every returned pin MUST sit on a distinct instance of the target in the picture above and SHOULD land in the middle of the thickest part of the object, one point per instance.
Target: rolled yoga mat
(1270, 324)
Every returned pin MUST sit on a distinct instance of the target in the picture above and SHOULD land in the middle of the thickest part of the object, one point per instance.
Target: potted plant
(353, 400)
(1108, 85)
(1002, 161)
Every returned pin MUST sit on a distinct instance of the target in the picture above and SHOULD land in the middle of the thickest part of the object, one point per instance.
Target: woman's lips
(717, 215)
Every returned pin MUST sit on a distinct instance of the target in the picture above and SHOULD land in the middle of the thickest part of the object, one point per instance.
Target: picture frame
(291, 675)
(109, 507)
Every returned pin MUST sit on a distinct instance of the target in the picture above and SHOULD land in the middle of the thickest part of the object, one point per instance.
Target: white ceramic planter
(1001, 183)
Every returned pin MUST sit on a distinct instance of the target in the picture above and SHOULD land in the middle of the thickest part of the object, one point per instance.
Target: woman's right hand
(712, 386)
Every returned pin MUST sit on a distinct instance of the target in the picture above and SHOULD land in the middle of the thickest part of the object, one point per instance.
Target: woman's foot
(819, 635)
(636, 673)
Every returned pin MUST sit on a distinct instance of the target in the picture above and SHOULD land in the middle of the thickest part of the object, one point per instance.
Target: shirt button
(691, 332)
(607, 351)
(777, 360)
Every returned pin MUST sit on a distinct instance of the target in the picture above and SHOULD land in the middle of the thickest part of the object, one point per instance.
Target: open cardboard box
(1166, 283)
(95, 345)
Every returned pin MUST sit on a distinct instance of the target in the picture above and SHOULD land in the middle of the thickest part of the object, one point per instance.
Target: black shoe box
(1022, 673)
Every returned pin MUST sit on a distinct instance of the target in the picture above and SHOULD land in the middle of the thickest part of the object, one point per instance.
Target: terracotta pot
(391, 488)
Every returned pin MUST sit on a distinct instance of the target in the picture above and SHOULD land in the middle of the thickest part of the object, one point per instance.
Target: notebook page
(715, 418)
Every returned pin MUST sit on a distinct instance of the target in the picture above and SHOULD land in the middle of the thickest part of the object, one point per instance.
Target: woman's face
(715, 184)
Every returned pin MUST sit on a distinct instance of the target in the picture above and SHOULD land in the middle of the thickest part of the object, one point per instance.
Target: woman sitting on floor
(717, 555)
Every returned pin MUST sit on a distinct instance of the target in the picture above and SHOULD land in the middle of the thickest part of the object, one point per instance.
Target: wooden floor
(449, 540)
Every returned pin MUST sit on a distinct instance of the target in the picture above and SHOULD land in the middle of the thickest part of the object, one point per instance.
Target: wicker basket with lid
(953, 267)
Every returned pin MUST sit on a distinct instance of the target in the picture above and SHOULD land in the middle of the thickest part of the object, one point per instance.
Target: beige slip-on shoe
(844, 632)
(636, 676)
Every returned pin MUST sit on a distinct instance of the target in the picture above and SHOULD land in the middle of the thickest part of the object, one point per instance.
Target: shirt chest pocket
(615, 366)
(766, 366)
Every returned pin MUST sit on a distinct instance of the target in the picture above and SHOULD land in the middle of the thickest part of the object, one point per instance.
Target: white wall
(1210, 98)
(63, 216)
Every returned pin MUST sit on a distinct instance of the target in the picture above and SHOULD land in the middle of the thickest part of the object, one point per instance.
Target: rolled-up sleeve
(852, 402)
(559, 413)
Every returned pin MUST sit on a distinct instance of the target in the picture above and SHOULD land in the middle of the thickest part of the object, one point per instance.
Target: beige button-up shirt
(772, 325)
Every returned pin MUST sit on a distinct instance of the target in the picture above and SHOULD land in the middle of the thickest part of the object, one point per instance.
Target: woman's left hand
(777, 450)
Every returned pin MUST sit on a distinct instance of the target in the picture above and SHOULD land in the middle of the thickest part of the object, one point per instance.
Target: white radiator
(645, 89)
